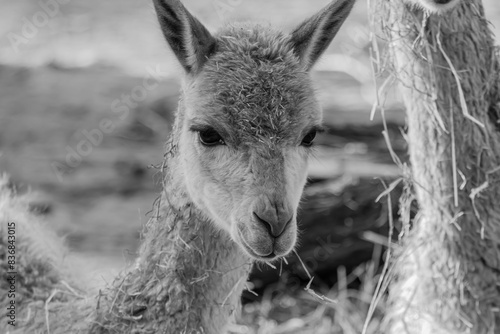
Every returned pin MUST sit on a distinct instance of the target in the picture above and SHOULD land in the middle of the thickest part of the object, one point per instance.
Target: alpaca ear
(311, 38)
(191, 42)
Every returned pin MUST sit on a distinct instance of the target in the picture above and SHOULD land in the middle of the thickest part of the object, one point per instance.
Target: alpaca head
(247, 120)
(434, 6)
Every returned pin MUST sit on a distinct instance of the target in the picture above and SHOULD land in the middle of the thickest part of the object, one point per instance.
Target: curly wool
(448, 271)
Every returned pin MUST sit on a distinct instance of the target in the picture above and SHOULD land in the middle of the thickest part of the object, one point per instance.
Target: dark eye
(210, 137)
(308, 139)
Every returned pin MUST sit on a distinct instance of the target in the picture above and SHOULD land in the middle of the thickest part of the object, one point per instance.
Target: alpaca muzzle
(267, 239)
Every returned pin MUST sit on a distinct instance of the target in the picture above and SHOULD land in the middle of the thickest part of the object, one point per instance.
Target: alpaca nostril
(275, 229)
(442, 2)
(268, 226)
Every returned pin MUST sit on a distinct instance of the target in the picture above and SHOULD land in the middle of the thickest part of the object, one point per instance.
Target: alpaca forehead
(259, 107)
(254, 83)
(244, 41)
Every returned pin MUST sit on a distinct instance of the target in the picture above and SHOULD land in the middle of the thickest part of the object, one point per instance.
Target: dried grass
(340, 310)
(448, 71)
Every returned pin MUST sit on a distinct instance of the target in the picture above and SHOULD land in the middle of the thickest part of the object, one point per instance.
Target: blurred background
(66, 64)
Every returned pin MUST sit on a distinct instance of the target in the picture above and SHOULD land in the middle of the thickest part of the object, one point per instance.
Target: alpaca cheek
(218, 185)
(218, 203)
(295, 175)
(198, 184)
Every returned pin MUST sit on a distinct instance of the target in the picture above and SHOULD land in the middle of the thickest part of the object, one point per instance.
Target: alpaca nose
(274, 220)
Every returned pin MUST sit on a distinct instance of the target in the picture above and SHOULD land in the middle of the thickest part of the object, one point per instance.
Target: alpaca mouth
(249, 249)
(268, 257)
(263, 256)
(252, 253)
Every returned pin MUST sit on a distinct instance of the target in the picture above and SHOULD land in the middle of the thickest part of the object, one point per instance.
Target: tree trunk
(448, 274)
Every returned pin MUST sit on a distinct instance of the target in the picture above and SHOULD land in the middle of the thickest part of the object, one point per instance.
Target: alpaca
(37, 256)
(234, 172)
(448, 271)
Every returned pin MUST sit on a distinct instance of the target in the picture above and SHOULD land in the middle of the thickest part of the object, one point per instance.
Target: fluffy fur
(250, 84)
(448, 270)
(43, 276)
(252, 88)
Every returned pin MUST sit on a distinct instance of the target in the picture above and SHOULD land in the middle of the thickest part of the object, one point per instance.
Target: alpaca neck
(189, 275)
(450, 260)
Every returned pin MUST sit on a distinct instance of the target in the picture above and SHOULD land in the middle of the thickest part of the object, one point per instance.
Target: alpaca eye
(210, 137)
(308, 139)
